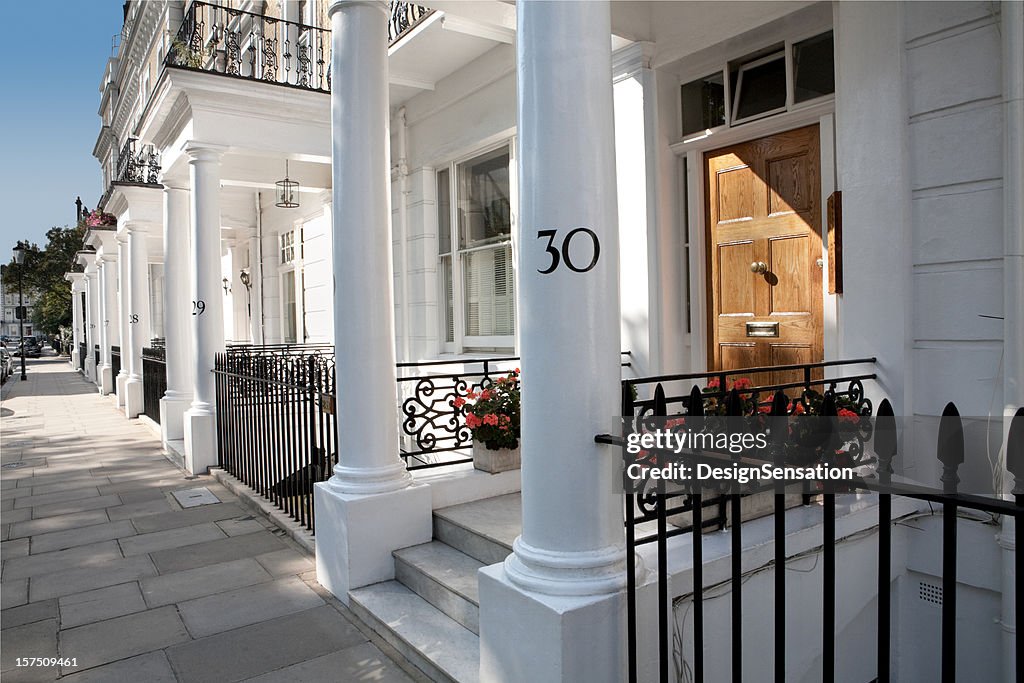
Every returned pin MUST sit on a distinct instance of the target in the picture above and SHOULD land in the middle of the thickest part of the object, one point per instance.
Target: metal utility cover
(190, 498)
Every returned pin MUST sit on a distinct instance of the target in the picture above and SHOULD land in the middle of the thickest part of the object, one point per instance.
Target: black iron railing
(81, 356)
(652, 502)
(115, 364)
(96, 356)
(154, 380)
(138, 166)
(231, 42)
(276, 424)
(432, 427)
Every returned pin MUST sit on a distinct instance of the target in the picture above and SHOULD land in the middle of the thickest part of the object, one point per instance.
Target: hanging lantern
(287, 191)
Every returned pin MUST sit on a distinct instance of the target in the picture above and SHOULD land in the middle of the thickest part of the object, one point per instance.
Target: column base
(200, 432)
(134, 401)
(74, 358)
(558, 632)
(356, 534)
(90, 368)
(121, 381)
(172, 418)
(106, 383)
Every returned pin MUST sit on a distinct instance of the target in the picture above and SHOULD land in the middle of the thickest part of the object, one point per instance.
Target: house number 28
(563, 256)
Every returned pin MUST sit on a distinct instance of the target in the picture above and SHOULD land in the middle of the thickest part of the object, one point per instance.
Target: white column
(205, 304)
(77, 288)
(177, 314)
(254, 296)
(108, 319)
(368, 508)
(138, 317)
(121, 380)
(560, 592)
(91, 315)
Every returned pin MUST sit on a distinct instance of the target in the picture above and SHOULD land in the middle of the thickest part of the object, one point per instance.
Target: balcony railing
(256, 47)
(139, 166)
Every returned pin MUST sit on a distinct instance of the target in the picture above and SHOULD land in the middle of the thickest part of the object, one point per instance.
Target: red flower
(713, 383)
(459, 402)
(846, 415)
(472, 421)
(742, 383)
(486, 394)
(491, 419)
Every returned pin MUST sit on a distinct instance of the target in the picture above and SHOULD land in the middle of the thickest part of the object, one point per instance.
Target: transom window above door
(776, 79)
(474, 200)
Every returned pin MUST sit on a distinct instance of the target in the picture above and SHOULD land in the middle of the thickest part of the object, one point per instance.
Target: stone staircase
(431, 611)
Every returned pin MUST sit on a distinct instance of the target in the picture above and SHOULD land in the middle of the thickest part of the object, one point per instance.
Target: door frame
(692, 219)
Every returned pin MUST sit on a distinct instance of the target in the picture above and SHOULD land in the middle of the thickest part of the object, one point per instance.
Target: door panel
(763, 201)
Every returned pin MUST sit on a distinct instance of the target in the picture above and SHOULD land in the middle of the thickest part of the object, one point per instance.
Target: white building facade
(563, 183)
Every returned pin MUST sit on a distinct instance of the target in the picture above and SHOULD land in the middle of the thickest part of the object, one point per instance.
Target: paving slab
(213, 552)
(239, 527)
(114, 639)
(31, 527)
(27, 614)
(14, 593)
(140, 509)
(38, 639)
(285, 562)
(248, 605)
(196, 583)
(104, 574)
(189, 517)
(357, 663)
(69, 507)
(59, 560)
(71, 538)
(149, 668)
(171, 538)
(59, 497)
(16, 548)
(253, 650)
(100, 604)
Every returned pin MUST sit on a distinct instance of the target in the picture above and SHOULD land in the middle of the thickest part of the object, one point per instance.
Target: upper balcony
(257, 47)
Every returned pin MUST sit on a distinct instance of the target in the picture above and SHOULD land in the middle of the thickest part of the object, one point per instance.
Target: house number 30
(563, 256)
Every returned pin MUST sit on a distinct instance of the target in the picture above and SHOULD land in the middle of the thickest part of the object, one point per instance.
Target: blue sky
(53, 58)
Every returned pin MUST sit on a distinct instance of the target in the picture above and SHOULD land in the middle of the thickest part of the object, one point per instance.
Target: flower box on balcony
(492, 460)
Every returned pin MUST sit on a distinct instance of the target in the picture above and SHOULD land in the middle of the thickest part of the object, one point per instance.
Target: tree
(44, 271)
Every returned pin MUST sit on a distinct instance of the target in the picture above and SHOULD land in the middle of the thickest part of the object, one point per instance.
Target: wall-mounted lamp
(243, 276)
(227, 286)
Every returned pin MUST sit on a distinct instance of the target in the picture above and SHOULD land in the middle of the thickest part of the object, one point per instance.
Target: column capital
(176, 184)
(136, 228)
(338, 5)
(203, 151)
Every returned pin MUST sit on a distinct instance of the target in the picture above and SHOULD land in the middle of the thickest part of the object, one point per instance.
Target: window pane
(489, 292)
(762, 88)
(448, 292)
(288, 307)
(703, 103)
(444, 213)
(484, 207)
(814, 67)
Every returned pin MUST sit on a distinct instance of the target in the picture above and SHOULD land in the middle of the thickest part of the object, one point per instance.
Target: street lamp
(19, 258)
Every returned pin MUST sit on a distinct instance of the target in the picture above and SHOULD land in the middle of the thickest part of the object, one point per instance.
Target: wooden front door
(764, 236)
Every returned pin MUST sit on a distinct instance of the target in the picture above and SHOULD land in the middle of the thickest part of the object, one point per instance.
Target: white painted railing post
(369, 507)
(559, 596)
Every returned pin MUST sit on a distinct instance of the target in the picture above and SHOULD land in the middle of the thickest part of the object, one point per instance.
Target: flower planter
(494, 461)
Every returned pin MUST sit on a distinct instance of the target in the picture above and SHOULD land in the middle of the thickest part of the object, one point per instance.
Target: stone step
(482, 529)
(437, 644)
(444, 577)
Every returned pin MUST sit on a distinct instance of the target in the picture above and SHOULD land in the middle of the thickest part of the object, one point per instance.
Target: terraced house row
(327, 226)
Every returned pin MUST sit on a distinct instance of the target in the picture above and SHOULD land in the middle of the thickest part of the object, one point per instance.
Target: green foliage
(43, 272)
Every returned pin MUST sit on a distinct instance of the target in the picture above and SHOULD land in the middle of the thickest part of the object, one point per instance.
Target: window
(287, 246)
(703, 103)
(760, 87)
(475, 251)
(814, 72)
(289, 309)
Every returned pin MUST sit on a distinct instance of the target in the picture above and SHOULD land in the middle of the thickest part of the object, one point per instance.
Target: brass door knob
(759, 267)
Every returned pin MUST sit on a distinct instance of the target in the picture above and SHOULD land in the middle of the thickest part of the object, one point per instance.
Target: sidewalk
(106, 570)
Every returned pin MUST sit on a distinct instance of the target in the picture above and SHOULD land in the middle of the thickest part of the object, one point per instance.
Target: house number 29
(563, 256)
(198, 307)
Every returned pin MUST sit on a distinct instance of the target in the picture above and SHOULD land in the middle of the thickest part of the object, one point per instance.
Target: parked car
(6, 364)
